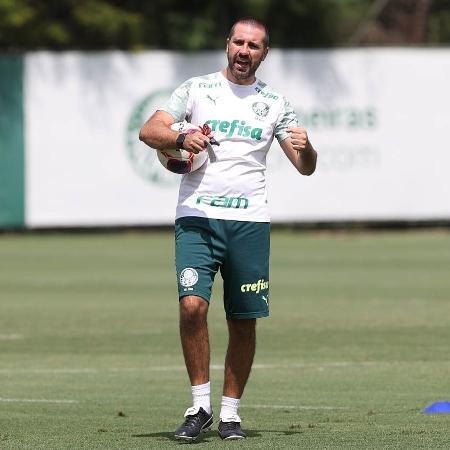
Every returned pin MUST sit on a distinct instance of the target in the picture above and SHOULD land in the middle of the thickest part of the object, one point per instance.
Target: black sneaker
(197, 419)
(231, 429)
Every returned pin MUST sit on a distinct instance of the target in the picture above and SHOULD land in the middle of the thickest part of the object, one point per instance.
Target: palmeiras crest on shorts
(188, 277)
(261, 109)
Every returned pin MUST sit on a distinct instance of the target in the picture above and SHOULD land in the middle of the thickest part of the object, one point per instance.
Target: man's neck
(244, 82)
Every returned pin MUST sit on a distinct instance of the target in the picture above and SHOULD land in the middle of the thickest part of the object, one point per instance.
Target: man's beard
(249, 71)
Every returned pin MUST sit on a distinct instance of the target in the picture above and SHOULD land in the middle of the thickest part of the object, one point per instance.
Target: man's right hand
(196, 142)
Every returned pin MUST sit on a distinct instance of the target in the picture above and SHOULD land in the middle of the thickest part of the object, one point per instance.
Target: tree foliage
(182, 25)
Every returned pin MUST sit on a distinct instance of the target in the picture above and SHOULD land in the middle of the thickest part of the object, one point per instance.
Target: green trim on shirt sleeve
(286, 119)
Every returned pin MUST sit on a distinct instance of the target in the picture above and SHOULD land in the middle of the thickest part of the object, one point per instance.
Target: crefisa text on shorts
(260, 285)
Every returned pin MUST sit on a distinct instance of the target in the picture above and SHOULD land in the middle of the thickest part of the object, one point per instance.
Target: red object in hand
(206, 129)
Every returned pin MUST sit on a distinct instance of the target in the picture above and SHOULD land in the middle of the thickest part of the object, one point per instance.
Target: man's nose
(244, 50)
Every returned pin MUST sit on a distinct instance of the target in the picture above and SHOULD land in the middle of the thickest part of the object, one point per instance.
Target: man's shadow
(209, 435)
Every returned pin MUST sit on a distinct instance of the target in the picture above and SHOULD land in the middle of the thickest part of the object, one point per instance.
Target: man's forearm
(156, 134)
(307, 160)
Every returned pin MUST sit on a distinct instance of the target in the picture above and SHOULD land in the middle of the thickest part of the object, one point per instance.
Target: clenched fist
(299, 138)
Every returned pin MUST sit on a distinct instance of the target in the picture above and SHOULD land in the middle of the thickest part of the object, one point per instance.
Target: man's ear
(265, 53)
(228, 41)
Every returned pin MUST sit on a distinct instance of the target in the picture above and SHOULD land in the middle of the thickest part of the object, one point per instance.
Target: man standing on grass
(222, 218)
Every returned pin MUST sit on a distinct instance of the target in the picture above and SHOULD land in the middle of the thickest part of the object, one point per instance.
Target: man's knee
(193, 310)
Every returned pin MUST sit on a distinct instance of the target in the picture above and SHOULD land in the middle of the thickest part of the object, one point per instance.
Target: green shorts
(239, 249)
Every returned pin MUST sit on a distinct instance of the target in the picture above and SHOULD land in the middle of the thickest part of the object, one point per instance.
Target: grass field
(358, 343)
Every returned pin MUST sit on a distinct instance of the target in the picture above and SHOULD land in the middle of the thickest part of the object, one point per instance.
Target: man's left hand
(299, 138)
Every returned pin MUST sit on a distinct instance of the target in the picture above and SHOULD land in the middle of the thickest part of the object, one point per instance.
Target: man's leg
(195, 343)
(198, 256)
(240, 353)
(194, 338)
(238, 363)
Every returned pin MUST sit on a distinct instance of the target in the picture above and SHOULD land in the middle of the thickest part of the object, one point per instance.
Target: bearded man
(222, 218)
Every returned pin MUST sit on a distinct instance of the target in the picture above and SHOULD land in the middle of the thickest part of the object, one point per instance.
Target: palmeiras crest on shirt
(188, 277)
(261, 109)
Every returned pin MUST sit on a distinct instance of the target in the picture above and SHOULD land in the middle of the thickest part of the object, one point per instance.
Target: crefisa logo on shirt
(235, 127)
(142, 159)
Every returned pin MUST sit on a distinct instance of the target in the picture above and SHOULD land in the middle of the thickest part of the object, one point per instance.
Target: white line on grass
(256, 366)
(319, 365)
(10, 337)
(34, 400)
(37, 371)
(302, 407)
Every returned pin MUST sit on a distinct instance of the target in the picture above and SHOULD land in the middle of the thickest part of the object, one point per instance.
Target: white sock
(229, 409)
(201, 396)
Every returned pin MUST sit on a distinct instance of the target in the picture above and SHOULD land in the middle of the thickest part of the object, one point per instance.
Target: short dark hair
(254, 23)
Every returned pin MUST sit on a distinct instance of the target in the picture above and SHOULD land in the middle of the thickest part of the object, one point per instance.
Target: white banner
(377, 117)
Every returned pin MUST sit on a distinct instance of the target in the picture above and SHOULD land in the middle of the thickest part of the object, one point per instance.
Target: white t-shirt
(244, 119)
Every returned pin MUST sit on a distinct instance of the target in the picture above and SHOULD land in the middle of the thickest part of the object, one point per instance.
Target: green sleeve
(287, 118)
(178, 104)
